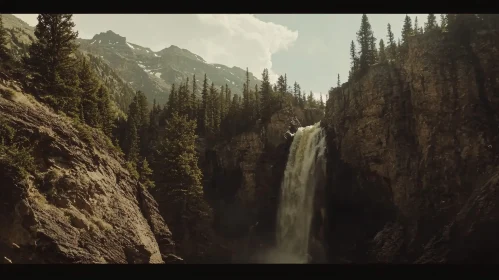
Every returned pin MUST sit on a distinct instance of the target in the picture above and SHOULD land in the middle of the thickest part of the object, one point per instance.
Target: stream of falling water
(306, 159)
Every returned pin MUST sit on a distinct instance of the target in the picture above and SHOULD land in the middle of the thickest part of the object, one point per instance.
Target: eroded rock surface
(81, 205)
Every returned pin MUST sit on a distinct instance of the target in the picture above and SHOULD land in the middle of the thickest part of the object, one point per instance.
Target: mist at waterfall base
(305, 169)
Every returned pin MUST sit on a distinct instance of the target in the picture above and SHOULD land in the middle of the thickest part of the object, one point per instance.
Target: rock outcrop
(80, 205)
(413, 153)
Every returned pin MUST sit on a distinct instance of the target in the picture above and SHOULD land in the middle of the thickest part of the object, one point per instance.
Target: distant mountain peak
(173, 47)
(154, 73)
(109, 37)
(182, 52)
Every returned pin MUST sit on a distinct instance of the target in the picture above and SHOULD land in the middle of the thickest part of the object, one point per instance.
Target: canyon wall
(413, 152)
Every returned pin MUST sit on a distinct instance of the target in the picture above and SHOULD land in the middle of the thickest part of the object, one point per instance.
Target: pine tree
(353, 57)
(172, 102)
(281, 89)
(265, 91)
(407, 29)
(373, 52)
(194, 104)
(132, 147)
(105, 109)
(245, 97)
(338, 84)
(285, 83)
(143, 109)
(310, 100)
(154, 116)
(228, 97)
(256, 104)
(4, 52)
(431, 22)
(304, 99)
(233, 112)
(214, 110)
(176, 168)
(142, 122)
(295, 92)
(382, 54)
(365, 38)
(252, 100)
(204, 107)
(391, 43)
(416, 26)
(185, 98)
(89, 101)
(221, 104)
(300, 99)
(145, 174)
(51, 63)
(246, 91)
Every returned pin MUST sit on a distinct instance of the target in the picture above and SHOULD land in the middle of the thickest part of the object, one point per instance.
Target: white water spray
(304, 169)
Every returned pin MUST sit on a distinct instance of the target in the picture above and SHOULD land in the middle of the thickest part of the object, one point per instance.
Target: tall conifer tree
(51, 62)
(406, 29)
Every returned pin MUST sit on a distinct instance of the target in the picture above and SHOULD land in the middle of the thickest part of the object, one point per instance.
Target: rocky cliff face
(243, 178)
(79, 204)
(413, 153)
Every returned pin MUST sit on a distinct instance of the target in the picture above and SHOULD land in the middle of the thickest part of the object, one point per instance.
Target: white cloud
(243, 41)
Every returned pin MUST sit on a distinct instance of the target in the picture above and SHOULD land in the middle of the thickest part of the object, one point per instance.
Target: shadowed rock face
(81, 205)
(413, 157)
(243, 178)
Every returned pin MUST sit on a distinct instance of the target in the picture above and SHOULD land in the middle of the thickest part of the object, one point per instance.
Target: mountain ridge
(139, 67)
(154, 73)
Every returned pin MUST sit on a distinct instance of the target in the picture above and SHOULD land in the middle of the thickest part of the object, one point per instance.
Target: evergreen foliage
(431, 22)
(365, 38)
(392, 47)
(5, 56)
(382, 54)
(407, 29)
(52, 64)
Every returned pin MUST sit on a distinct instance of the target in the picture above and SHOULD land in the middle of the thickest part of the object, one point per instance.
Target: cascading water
(304, 169)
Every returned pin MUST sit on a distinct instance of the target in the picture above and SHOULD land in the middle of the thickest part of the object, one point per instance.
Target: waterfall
(304, 169)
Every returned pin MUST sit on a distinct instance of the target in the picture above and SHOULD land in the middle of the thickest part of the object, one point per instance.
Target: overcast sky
(311, 48)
